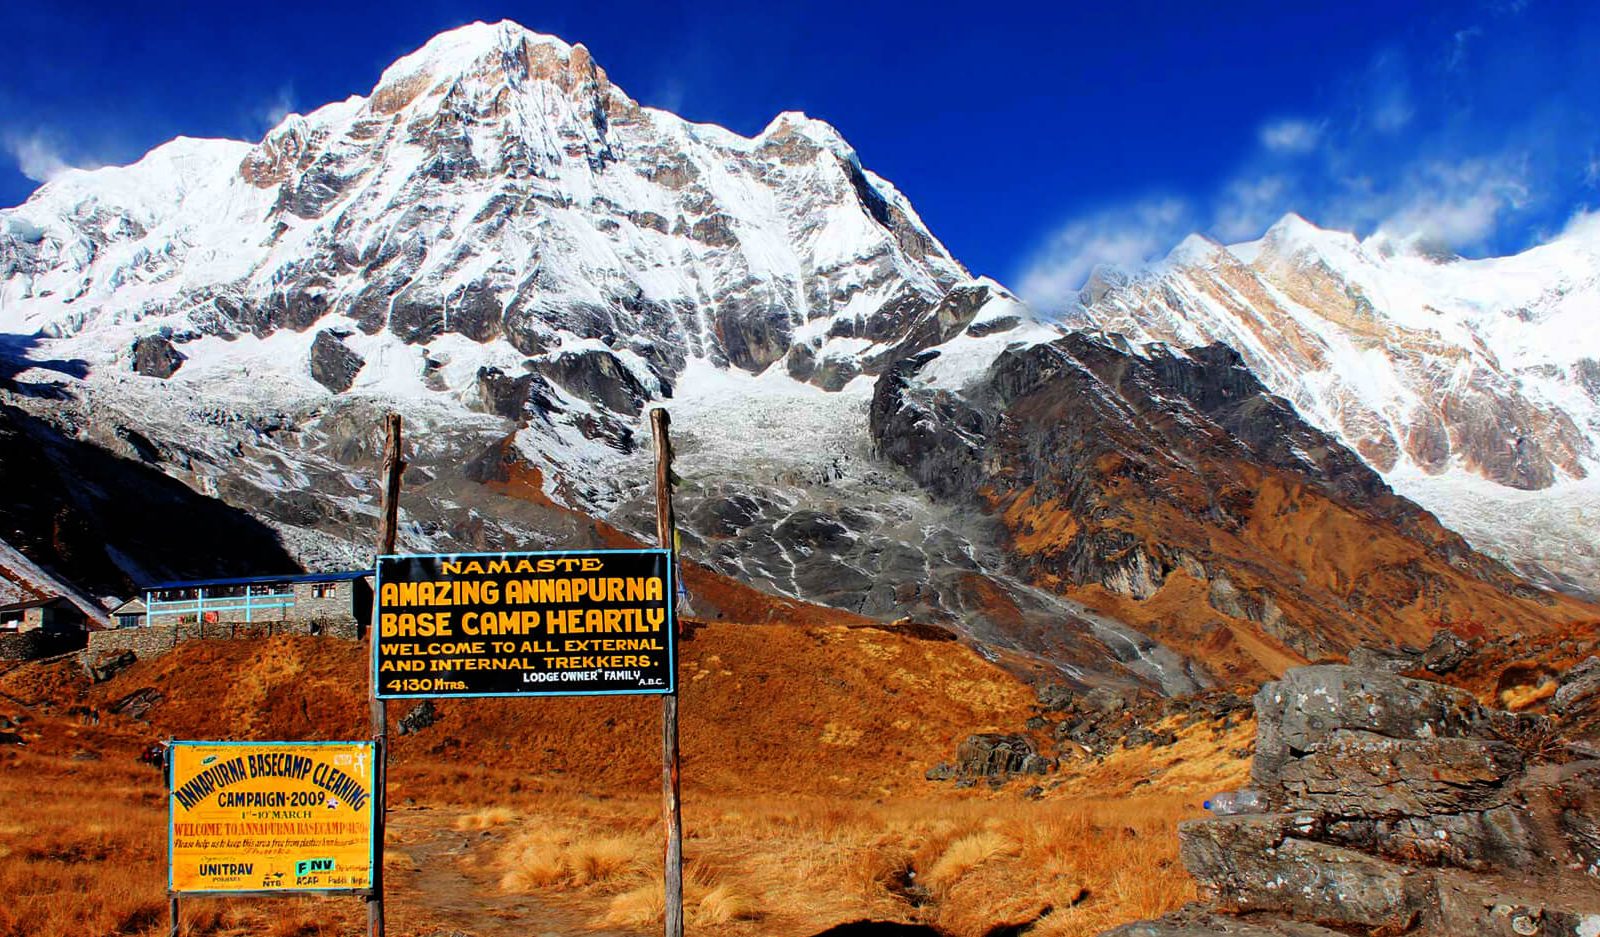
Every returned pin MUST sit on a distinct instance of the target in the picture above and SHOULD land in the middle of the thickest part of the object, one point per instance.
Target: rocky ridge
(1144, 482)
(1468, 384)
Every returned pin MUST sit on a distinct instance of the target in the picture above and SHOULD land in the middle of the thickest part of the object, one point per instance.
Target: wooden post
(166, 775)
(388, 518)
(666, 526)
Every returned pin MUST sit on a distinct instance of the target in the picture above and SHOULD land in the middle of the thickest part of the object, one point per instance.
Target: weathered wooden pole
(172, 896)
(666, 526)
(388, 519)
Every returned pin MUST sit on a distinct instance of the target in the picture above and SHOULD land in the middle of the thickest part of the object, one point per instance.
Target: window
(128, 621)
(323, 590)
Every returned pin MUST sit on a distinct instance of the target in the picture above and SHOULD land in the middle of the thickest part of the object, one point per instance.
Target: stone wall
(159, 639)
(31, 645)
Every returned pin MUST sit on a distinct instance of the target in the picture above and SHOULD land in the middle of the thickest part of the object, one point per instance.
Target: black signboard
(525, 624)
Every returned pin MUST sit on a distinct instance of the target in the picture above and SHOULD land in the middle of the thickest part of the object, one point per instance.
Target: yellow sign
(270, 816)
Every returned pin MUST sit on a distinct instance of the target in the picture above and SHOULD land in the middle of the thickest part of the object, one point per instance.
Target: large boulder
(333, 364)
(1302, 712)
(1398, 806)
(155, 356)
(1579, 689)
(1360, 774)
(1259, 863)
(514, 398)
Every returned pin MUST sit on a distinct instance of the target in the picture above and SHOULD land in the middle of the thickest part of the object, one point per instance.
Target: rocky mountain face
(1398, 806)
(1470, 385)
(501, 245)
(114, 522)
(1173, 492)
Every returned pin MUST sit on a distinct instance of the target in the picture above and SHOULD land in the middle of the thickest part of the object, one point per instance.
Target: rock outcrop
(154, 356)
(1397, 806)
(994, 757)
(333, 364)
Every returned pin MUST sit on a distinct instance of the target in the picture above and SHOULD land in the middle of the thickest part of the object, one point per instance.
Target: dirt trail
(449, 888)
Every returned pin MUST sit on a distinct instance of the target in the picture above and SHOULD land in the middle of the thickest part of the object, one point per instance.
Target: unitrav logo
(226, 868)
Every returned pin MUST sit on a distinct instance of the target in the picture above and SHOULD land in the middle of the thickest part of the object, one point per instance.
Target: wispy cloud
(37, 155)
(1399, 149)
(1123, 235)
(1458, 50)
(1291, 135)
(1249, 204)
(271, 112)
(1459, 204)
(1389, 105)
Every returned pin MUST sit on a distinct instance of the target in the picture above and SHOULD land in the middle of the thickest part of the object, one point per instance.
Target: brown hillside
(1198, 508)
(764, 708)
(804, 799)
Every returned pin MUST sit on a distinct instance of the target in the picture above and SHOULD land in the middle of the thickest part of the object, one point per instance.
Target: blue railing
(201, 604)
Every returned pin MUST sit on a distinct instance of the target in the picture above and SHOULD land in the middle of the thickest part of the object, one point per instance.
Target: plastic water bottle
(1231, 802)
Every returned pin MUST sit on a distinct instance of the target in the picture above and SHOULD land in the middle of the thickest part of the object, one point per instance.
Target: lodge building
(341, 601)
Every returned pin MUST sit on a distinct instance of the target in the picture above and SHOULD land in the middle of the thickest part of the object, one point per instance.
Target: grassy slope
(804, 748)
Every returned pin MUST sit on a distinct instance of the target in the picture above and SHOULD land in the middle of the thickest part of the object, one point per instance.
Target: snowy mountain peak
(477, 48)
(1195, 249)
(496, 227)
(1467, 383)
(1292, 235)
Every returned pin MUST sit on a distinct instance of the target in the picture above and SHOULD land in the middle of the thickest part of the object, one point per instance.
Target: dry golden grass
(1518, 698)
(798, 865)
(561, 854)
(965, 854)
(486, 819)
(550, 808)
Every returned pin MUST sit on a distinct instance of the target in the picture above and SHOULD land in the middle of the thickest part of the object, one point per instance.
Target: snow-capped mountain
(507, 248)
(494, 185)
(1472, 386)
(503, 246)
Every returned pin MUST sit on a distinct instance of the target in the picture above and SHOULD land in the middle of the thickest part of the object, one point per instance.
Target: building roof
(344, 576)
(31, 603)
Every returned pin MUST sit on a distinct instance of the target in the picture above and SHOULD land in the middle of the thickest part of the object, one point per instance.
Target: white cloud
(1290, 136)
(1389, 106)
(1396, 152)
(1249, 204)
(272, 112)
(1458, 204)
(1126, 235)
(36, 155)
(1584, 224)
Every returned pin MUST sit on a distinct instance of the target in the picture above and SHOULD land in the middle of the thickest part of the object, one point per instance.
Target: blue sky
(1035, 138)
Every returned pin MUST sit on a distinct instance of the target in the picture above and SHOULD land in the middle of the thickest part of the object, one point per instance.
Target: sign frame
(371, 776)
(669, 631)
